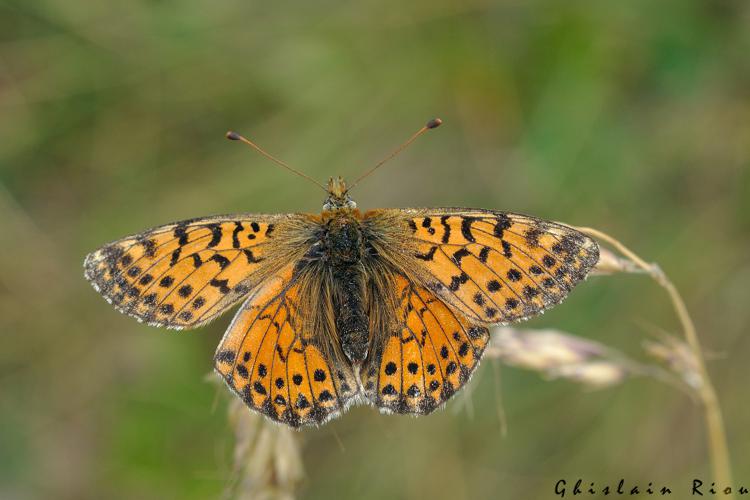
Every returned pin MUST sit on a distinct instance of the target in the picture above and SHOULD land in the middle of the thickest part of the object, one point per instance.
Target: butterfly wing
(277, 366)
(493, 267)
(428, 356)
(184, 274)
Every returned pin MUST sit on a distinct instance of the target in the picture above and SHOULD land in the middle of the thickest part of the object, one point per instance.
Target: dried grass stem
(716, 434)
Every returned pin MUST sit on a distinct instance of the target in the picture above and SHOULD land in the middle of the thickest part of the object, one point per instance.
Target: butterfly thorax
(342, 238)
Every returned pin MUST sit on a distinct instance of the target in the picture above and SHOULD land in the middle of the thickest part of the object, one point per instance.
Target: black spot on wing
(175, 256)
(180, 232)
(506, 249)
(225, 356)
(126, 259)
(532, 236)
(460, 254)
(493, 285)
(446, 228)
(215, 235)
(466, 223)
(197, 261)
(484, 254)
(457, 281)
(503, 223)
(428, 255)
(514, 275)
(238, 228)
(221, 260)
(221, 285)
(149, 248)
(251, 259)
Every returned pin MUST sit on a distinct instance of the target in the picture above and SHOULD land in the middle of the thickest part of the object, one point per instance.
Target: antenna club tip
(434, 123)
(233, 136)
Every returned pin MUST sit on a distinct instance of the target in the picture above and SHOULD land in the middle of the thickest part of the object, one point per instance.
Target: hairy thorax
(343, 240)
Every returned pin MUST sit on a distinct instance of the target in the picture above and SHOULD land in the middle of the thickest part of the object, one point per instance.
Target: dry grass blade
(716, 434)
(610, 263)
(559, 354)
(267, 457)
(680, 359)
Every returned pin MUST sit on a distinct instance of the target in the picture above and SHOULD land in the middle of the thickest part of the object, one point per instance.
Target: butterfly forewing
(184, 274)
(494, 267)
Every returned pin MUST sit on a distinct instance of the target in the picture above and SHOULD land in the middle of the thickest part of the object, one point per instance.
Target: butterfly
(388, 307)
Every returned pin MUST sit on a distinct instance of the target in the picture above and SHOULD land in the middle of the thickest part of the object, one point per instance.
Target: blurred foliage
(633, 117)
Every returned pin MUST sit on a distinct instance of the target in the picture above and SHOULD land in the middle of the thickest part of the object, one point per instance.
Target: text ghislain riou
(698, 488)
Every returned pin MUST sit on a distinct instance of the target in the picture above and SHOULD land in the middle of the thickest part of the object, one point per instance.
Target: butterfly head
(338, 196)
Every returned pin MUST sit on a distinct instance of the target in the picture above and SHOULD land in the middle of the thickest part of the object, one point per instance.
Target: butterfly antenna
(434, 123)
(234, 136)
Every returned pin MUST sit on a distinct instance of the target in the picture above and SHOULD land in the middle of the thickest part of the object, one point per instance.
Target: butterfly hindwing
(269, 359)
(494, 267)
(184, 274)
(429, 355)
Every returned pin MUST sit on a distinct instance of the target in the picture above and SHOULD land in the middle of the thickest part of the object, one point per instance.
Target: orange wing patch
(497, 267)
(184, 274)
(275, 366)
(430, 357)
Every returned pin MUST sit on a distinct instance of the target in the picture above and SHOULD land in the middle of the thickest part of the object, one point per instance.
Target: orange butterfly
(388, 307)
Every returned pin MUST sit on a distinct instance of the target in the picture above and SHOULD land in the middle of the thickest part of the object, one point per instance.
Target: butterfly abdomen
(352, 323)
(343, 242)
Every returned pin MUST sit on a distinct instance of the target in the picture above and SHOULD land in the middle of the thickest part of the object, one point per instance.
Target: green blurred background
(631, 117)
